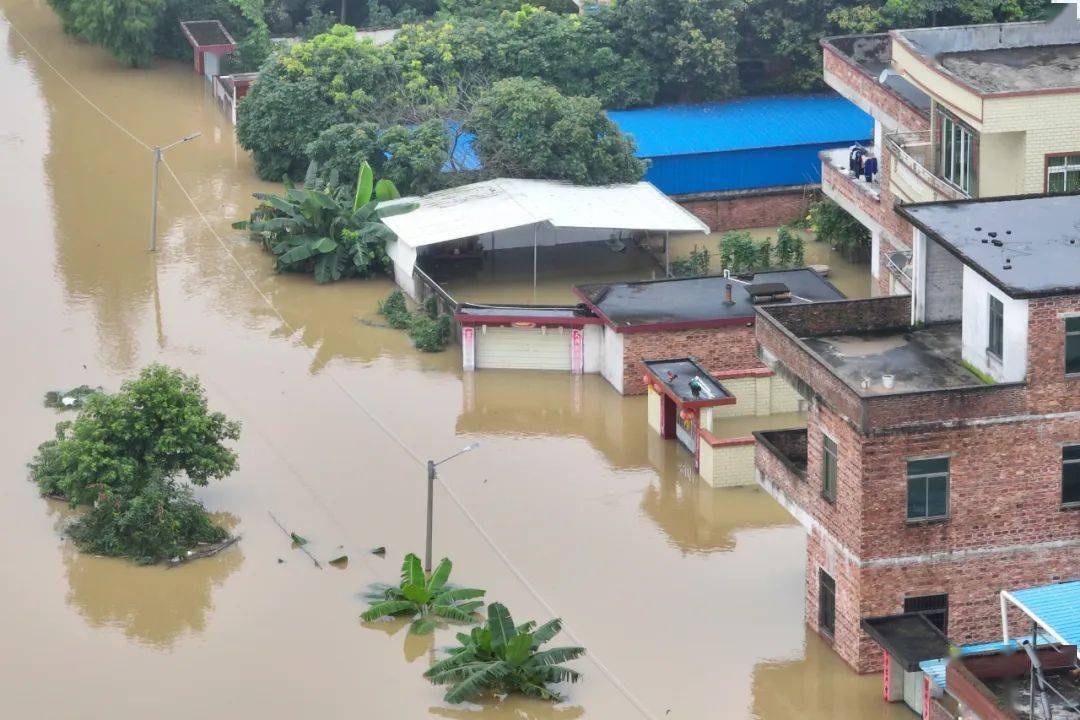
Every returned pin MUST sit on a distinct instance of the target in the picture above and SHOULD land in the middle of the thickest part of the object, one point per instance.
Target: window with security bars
(934, 607)
(826, 603)
(1070, 475)
(828, 469)
(996, 342)
(928, 489)
(1063, 173)
(1072, 345)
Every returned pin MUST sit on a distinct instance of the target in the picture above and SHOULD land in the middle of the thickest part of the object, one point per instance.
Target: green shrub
(163, 521)
(694, 266)
(832, 224)
(395, 310)
(428, 334)
(789, 248)
(740, 254)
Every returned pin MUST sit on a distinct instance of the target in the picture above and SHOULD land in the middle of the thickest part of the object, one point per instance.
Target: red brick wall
(864, 90)
(822, 555)
(738, 211)
(1050, 390)
(732, 347)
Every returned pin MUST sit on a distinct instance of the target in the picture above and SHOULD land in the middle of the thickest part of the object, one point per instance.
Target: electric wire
(397, 440)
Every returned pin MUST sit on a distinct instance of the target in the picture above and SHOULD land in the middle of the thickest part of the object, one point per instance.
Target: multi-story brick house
(941, 462)
(959, 112)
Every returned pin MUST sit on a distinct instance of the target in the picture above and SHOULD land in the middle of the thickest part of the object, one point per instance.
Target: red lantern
(686, 415)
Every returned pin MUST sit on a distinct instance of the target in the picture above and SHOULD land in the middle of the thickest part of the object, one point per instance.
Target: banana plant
(426, 599)
(321, 231)
(501, 658)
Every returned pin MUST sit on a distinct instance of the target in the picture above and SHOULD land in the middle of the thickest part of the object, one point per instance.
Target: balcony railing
(915, 151)
(837, 158)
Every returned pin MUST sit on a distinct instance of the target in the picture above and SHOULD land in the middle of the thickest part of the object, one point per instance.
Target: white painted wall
(404, 259)
(976, 330)
(594, 348)
(611, 361)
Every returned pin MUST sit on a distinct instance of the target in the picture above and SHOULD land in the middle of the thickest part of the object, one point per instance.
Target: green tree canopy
(123, 27)
(526, 128)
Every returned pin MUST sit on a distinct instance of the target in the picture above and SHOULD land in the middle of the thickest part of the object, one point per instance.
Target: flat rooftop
(687, 302)
(918, 359)
(1018, 69)
(689, 382)
(1027, 246)
(1015, 693)
(873, 54)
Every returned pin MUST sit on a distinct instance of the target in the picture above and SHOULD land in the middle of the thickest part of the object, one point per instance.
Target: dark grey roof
(697, 300)
(1028, 246)
(677, 374)
(909, 638)
(207, 32)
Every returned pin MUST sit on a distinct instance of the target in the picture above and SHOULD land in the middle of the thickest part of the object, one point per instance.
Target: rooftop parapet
(865, 361)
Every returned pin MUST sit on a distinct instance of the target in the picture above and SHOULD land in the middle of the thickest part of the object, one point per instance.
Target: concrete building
(959, 112)
(748, 162)
(941, 461)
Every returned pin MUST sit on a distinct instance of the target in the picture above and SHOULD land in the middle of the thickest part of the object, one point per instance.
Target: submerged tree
(126, 455)
(501, 658)
(335, 233)
(426, 599)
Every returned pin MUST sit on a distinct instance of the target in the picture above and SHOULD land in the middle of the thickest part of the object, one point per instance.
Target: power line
(600, 665)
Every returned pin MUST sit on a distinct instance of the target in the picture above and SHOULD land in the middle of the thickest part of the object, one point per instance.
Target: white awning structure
(504, 204)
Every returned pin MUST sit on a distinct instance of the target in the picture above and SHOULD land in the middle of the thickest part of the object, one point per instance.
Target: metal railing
(427, 288)
(915, 151)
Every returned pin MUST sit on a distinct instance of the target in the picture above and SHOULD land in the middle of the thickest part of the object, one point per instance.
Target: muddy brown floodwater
(691, 598)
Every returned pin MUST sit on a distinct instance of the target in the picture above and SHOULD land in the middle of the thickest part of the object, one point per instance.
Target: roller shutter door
(523, 348)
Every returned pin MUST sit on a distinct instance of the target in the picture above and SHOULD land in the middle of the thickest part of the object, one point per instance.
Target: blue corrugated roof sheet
(744, 124)
(1057, 606)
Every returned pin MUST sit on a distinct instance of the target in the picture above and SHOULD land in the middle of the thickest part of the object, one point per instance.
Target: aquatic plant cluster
(497, 657)
(126, 457)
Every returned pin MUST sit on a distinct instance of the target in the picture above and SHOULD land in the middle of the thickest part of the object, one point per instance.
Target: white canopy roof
(504, 203)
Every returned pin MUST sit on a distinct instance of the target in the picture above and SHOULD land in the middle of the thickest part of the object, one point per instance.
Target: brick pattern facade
(865, 91)
(731, 347)
(735, 211)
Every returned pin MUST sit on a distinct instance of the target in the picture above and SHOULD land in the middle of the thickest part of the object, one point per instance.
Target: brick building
(941, 461)
(959, 112)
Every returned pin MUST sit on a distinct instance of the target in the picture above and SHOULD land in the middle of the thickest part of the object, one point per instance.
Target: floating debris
(341, 562)
(298, 541)
(381, 550)
(203, 551)
(70, 399)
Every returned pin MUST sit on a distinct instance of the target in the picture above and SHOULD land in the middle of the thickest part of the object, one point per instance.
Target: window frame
(996, 322)
(933, 612)
(926, 476)
(828, 630)
(957, 153)
(1066, 461)
(1075, 335)
(828, 490)
(1064, 169)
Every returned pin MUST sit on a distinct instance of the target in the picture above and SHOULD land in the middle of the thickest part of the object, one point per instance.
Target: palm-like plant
(500, 657)
(427, 599)
(333, 233)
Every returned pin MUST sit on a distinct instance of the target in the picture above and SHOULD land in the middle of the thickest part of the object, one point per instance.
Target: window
(996, 342)
(956, 154)
(928, 489)
(934, 607)
(1070, 475)
(1072, 345)
(1063, 173)
(828, 469)
(826, 603)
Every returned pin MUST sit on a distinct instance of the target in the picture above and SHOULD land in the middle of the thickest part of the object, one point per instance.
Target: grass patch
(986, 379)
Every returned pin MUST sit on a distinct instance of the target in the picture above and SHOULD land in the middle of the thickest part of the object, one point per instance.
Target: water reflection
(413, 646)
(512, 709)
(155, 606)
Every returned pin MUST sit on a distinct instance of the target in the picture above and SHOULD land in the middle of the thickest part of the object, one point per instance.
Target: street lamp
(159, 154)
(431, 465)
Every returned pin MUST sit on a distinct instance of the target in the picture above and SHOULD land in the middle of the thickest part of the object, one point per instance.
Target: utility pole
(431, 475)
(159, 155)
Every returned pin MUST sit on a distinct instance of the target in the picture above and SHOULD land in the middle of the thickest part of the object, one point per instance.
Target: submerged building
(941, 461)
(959, 112)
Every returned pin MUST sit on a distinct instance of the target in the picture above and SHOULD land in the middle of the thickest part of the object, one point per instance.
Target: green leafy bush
(429, 334)
(395, 310)
(501, 658)
(833, 225)
(694, 266)
(789, 250)
(125, 455)
(740, 254)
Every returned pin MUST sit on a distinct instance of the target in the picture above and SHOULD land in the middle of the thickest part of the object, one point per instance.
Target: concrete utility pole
(159, 155)
(431, 465)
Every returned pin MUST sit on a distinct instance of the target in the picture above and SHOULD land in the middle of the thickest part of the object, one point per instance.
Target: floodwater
(689, 600)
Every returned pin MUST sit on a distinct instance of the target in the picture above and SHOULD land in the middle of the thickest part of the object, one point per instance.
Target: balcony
(837, 159)
(913, 174)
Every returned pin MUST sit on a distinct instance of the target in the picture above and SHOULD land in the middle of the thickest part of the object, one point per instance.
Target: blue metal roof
(744, 124)
(1057, 606)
